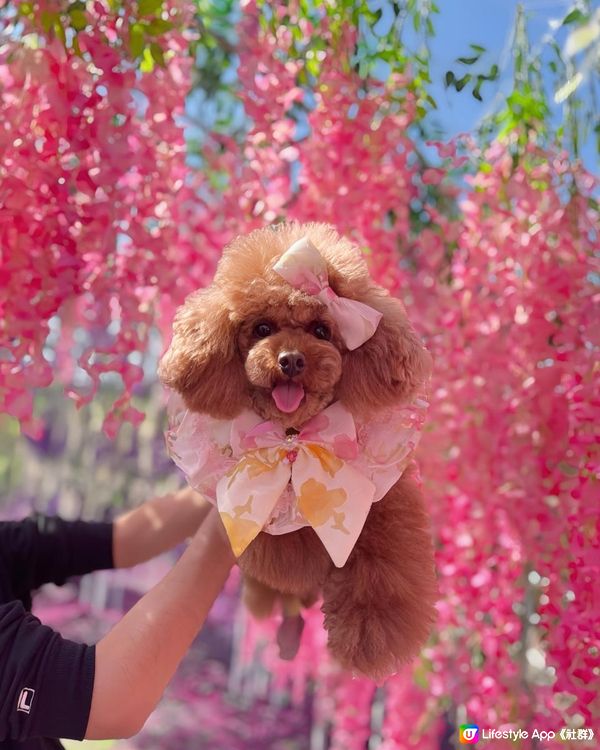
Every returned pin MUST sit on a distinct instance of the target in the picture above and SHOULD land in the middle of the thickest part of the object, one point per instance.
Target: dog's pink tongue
(287, 396)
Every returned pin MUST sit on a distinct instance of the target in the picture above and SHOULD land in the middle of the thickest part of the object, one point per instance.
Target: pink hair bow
(303, 266)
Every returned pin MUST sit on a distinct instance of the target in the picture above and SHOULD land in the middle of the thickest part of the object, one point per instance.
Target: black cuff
(71, 548)
(92, 546)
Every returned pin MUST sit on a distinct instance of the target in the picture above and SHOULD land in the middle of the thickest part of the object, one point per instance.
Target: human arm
(157, 526)
(110, 688)
(136, 660)
(46, 549)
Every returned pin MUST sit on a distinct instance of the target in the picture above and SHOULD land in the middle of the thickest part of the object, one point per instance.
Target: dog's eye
(263, 329)
(321, 331)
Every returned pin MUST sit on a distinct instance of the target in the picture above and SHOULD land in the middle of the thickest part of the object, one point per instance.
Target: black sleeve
(46, 682)
(44, 549)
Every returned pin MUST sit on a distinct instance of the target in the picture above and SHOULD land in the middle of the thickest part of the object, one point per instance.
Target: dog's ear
(390, 366)
(202, 363)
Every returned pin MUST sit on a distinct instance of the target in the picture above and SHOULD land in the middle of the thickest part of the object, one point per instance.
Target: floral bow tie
(333, 496)
(303, 266)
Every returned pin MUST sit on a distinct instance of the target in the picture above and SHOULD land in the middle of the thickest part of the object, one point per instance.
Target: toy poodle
(300, 389)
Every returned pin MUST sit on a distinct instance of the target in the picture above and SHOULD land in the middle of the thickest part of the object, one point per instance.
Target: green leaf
(477, 48)
(557, 50)
(508, 128)
(157, 54)
(574, 15)
(568, 469)
(468, 60)
(477, 89)
(147, 64)
(462, 82)
(79, 19)
(157, 26)
(136, 40)
(313, 67)
(26, 9)
(59, 31)
(449, 78)
(48, 20)
(146, 7)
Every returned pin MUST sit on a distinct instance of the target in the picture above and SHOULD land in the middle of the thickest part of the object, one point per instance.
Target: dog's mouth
(287, 396)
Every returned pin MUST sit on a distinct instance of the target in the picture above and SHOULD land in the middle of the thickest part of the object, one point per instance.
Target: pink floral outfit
(326, 476)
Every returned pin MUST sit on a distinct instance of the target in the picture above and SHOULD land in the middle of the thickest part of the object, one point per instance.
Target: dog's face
(250, 340)
(292, 355)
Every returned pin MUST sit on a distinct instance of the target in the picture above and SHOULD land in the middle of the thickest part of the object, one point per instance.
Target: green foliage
(476, 78)
(392, 36)
(527, 108)
(575, 15)
(149, 7)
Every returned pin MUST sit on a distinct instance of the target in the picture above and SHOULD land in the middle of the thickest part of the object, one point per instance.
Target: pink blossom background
(104, 229)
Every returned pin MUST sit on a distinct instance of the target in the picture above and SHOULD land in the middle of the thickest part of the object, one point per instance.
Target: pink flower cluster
(104, 229)
(95, 221)
(511, 455)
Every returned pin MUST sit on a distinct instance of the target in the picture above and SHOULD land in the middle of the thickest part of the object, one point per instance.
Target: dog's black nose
(291, 363)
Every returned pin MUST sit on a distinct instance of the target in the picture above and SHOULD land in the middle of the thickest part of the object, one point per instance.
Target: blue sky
(488, 23)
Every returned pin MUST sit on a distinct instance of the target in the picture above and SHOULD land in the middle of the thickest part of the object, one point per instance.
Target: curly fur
(379, 606)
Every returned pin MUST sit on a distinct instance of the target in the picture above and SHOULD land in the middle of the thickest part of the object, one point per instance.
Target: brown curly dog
(239, 339)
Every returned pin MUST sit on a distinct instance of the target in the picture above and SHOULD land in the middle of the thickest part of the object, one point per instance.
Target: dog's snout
(291, 363)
